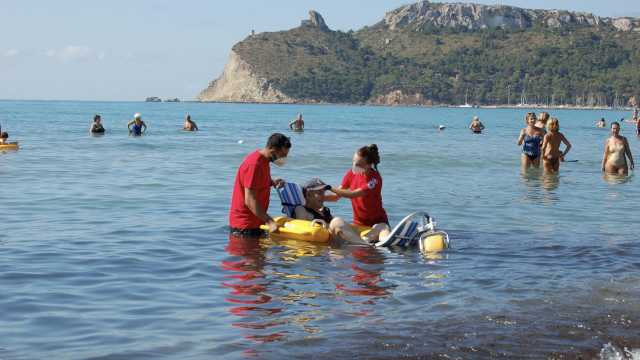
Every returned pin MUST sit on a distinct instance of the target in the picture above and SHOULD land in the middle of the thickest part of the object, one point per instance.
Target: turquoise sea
(115, 247)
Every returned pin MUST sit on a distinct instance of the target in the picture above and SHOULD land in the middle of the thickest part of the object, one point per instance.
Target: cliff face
(247, 79)
(425, 14)
(239, 83)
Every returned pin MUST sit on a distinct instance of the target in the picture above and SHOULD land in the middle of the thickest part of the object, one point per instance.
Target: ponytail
(370, 154)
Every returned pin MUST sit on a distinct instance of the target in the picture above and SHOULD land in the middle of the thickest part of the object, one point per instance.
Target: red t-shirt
(253, 173)
(367, 209)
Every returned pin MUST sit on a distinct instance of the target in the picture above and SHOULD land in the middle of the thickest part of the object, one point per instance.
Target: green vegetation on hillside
(582, 66)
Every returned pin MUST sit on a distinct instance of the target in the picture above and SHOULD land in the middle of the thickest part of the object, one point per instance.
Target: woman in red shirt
(362, 184)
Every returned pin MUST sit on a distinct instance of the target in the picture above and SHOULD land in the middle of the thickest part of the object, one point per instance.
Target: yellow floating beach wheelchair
(417, 228)
(303, 230)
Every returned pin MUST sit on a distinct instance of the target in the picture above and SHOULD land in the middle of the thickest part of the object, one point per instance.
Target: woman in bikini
(616, 152)
(551, 154)
(531, 140)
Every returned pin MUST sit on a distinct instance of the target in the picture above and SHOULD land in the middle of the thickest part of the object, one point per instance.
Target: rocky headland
(440, 53)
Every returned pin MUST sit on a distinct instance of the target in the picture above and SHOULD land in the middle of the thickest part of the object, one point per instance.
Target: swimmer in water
(4, 138)
(531, 140)
(476, 125)
(551, 154)
(189, 125)
(616, 153)
(601, 123)
(137, 127)
(96, 127)
(297, 124)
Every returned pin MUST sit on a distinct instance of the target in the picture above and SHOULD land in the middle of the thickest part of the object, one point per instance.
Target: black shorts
(246, 232)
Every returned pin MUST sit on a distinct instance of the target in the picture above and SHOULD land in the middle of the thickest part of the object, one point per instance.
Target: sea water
(115, 247)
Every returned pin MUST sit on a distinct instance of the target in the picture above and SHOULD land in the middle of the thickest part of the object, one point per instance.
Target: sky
(132, 49)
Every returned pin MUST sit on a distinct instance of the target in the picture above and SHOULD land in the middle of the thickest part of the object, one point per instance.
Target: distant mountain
(440, 53)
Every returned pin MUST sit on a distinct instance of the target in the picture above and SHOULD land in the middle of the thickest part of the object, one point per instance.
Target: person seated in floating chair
(307, 203)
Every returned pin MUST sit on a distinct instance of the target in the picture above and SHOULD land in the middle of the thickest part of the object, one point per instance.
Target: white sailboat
(466, 102)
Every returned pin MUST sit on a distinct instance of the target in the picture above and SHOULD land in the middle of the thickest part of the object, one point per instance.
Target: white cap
(137, 116)
(476, 118)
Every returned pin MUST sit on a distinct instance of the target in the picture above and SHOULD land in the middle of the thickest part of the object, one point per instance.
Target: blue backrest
(291, 195)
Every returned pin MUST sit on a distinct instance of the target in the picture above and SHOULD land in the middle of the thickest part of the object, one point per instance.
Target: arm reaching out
(348, 193)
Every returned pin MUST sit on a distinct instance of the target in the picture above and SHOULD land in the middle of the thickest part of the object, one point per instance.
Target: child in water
(551, 154)
(3, 138)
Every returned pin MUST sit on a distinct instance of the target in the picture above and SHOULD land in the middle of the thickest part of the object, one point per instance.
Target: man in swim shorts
(252, 187)
(297, 124)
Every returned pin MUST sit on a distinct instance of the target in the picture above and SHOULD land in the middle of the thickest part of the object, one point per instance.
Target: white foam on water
(612, 352)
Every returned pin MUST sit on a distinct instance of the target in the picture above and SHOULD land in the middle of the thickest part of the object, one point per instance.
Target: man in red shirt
(252, 187)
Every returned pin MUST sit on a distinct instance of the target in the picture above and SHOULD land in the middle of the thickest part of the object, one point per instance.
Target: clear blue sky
(131, 49)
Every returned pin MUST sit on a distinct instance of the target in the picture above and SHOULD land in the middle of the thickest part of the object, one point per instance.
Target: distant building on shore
(153, 99)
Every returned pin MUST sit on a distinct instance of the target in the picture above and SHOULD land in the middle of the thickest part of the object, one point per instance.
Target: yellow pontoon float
(417, 228)
(9, 146)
